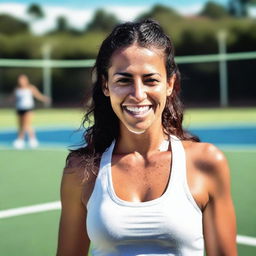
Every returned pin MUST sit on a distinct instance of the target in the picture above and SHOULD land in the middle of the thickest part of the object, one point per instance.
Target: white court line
(45, 147)
(30, 209)
(246, 240)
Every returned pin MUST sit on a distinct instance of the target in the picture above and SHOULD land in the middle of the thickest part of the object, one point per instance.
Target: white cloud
(189, 9)
(76, 18)
(127, 13)
(17, 10)
(252, 11)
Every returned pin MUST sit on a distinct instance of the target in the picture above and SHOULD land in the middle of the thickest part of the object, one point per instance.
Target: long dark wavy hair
(102, 124)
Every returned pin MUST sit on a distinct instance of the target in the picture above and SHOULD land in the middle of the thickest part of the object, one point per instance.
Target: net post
(222, 35)
(47, 73)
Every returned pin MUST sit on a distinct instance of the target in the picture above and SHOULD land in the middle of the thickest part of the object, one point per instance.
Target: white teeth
(138, 110)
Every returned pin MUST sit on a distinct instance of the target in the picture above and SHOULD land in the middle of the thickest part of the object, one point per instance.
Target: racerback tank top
(168, 225)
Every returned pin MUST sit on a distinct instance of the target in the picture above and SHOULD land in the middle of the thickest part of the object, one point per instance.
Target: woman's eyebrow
(123, 74)
(151, 74)
(130, 75)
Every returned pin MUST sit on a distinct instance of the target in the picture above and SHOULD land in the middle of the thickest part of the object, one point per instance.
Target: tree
(240, 7)
(35, 11)
(214, 10)
(159, 11)
(62, 24)
(10, 25)
(102, 21)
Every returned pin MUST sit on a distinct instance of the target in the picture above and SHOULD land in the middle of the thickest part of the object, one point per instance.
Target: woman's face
(137, 86)
(23, 81)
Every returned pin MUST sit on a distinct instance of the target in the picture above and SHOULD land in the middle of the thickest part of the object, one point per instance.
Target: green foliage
(84, 46)
(62, 24)
(102, 21)
(11, 26)
(35, 11)
(22, 46)
(239, 8)
(214, 10)
(160, 12)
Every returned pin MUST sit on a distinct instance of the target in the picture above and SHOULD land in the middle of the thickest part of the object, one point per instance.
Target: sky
(80, 12)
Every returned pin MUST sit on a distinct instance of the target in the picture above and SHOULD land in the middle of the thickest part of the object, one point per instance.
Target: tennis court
(30, 179)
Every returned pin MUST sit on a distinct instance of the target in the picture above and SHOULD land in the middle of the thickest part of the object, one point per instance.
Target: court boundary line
(56, 205)
(36, 208)
(246, 240)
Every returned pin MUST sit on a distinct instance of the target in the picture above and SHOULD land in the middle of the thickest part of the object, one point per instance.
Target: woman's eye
(123, 80)
(151, 81)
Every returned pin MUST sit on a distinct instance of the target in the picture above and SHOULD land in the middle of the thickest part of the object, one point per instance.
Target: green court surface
(32, 177)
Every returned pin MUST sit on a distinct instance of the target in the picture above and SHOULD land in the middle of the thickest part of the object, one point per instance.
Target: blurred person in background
(142, 185)
(24, 95)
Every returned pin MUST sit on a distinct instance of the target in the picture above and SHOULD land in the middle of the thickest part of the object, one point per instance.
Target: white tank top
(24, 99)
(168, 225)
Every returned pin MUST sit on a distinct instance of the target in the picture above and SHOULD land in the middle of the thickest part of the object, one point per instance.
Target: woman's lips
(137, 111)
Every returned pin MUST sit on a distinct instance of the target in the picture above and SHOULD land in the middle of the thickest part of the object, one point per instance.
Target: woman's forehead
(137, 56)
(135, 49)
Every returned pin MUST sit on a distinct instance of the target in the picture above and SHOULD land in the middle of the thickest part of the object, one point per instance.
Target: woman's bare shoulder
(207, 158)
(204, 151)
(79, 174)
(75, 161)
(81, 164)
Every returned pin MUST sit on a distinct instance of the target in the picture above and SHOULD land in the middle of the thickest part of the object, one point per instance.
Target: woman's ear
(170, 84)
(105, 87)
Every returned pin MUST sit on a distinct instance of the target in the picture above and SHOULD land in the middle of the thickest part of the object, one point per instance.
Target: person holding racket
(142, 185)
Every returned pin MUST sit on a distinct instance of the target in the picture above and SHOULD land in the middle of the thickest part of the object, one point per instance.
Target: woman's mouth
(138, 110)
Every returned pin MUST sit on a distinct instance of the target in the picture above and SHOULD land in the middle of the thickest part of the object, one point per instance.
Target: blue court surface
(68, 137)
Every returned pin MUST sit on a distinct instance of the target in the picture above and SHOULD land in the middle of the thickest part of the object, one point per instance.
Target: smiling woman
(142, 185)
(137, 86)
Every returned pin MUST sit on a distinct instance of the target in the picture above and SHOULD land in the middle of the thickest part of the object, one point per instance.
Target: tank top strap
(179, 169)
(106, 157)
(178, 174)
(101, 183)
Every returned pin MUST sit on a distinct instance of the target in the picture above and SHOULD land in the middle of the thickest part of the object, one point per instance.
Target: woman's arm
(38, 95)
(219, 220)
(73, 238)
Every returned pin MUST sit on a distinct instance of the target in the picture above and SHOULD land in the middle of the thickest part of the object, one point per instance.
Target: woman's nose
(139, 92)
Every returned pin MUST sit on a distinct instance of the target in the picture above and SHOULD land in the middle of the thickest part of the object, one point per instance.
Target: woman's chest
(141, 180)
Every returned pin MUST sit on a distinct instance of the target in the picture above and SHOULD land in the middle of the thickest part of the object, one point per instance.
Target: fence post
(47, 86)
(222, 35)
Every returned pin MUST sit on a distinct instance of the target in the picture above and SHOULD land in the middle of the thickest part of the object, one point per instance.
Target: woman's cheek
(119, 91)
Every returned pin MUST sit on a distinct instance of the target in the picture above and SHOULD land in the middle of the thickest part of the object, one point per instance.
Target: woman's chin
(136, 130)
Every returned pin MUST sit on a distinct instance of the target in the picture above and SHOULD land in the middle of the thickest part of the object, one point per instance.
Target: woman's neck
(144, 143)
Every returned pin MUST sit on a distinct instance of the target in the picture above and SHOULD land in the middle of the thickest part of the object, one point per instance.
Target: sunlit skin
(137, 78)
(137, 86)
